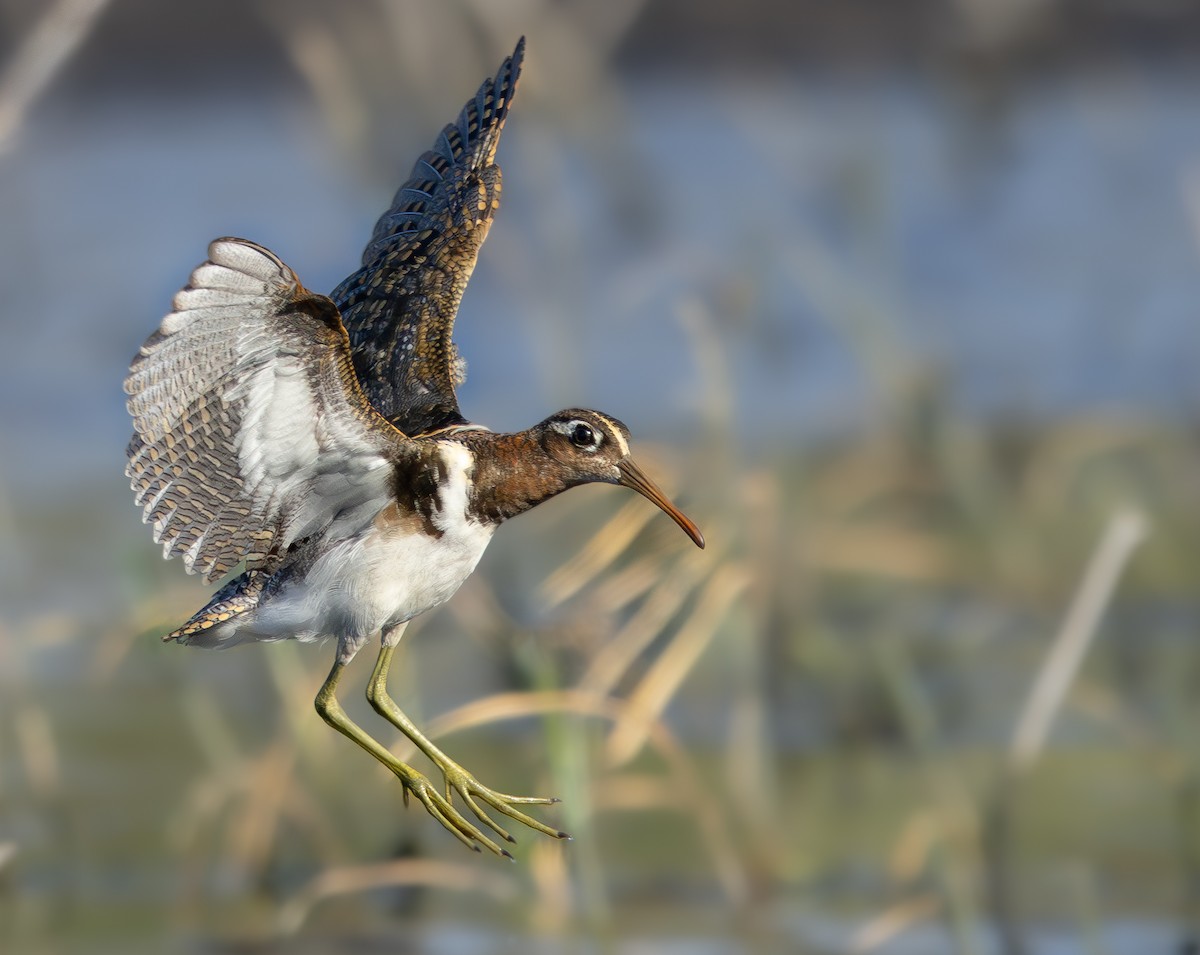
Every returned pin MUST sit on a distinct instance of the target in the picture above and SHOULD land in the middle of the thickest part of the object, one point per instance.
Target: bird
(315, 444)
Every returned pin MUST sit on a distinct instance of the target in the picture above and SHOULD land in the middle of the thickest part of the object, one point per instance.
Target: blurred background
(900, 301)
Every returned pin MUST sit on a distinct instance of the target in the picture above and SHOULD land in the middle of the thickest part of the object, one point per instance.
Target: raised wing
(250, 429)
(399, 307)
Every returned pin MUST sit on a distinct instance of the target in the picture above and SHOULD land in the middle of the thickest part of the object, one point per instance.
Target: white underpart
(374, 581)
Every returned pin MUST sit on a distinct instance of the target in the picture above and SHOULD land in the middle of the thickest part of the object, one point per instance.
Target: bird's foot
(441, 807)
(470, 790)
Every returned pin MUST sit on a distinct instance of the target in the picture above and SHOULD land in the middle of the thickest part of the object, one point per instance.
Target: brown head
(586, 447)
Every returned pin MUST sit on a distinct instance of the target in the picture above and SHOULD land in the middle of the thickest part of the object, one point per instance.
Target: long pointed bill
(634, 477)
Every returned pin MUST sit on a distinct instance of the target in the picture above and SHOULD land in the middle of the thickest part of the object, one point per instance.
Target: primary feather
(399, 308)
(250, 429)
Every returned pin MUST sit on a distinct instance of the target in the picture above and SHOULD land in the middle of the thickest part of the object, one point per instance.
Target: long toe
(444, 812)
(503, 804)
(470, 789)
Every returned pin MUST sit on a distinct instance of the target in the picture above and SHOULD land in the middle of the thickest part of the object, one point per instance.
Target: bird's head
(592, 447)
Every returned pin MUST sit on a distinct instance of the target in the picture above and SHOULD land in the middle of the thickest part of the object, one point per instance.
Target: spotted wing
(399, 307)
(250, 429)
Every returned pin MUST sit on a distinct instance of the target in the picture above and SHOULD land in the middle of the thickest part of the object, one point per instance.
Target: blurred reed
(429, 873)
(63, 26)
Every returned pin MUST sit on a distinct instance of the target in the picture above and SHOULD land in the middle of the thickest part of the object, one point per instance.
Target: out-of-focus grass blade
(430, 873)
(599, 553)
(614, 658)
(654, 692)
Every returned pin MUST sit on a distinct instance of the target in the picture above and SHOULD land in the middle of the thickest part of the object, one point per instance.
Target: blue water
(1041, 258)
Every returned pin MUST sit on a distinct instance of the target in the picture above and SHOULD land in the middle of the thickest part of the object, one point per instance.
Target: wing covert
(250, 429)
(399, 308)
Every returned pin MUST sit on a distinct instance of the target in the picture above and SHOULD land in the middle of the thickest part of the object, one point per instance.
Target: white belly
(374, 581)
(392, 570)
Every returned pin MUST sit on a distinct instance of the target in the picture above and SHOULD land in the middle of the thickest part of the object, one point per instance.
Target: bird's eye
(582, 436)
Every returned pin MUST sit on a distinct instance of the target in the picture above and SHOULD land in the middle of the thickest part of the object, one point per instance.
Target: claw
(486, 819)
(468, 787)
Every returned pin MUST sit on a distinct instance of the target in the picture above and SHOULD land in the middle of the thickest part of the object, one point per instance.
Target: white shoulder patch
(455, 489)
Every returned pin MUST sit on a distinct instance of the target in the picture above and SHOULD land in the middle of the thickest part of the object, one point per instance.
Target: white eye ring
(583, 435)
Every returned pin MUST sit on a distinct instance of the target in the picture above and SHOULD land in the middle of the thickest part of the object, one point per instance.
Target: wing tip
(504, 83)
(246, 257)
(490, 104)
(516, 59)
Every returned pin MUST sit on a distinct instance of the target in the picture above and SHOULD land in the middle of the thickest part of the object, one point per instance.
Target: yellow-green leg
(457, 778)
(414, 782)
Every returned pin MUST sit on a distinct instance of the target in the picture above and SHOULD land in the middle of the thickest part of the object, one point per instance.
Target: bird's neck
(512, 474)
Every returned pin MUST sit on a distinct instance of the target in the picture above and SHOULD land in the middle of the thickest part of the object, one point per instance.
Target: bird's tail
(220, 621)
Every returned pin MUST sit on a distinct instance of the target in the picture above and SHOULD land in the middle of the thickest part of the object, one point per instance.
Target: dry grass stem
(60, 32)
(650, 698)
(253, 795)
(868, 473)
(598, 554)
(613, 593)
(893, 922)
(1125, 531)
(634, 792)
(613, 660)
(552, 880)
(253, 830)
(910, 854)
(38, 749)
(323, 63)
(431, 873)
(902, 555)
(519, 705)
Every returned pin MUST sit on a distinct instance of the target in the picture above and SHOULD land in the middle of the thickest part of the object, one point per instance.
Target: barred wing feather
(250, 429)
(399, 308)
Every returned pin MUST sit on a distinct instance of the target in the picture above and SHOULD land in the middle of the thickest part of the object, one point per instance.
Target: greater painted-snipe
(318, 441)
